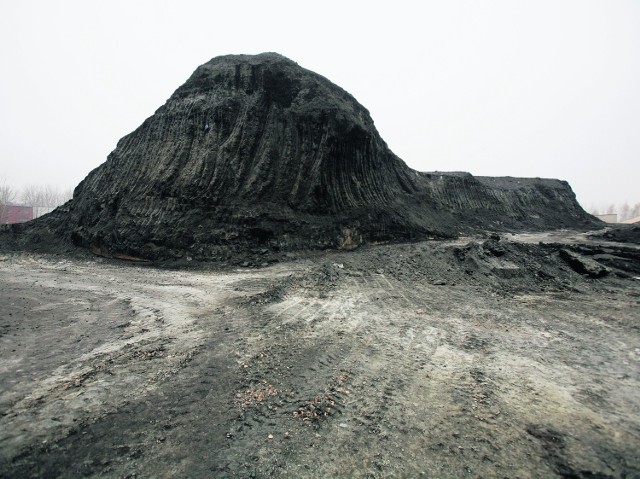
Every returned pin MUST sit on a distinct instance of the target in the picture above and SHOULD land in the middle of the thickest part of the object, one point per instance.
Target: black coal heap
(255, 151)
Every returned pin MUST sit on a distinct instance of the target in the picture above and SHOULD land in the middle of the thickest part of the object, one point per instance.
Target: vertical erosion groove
(258, 144)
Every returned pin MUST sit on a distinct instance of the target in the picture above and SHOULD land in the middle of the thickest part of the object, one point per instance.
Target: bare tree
(44, 195)
(624, 211)
(66, 195)
(32, 195)
(7, 194)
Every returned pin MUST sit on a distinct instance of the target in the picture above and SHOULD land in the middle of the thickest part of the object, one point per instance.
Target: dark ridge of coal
(255, 151)
(621, 233)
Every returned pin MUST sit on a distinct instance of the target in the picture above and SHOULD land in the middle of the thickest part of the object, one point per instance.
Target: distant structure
(608, 218)
(632, 221)
(10, 214)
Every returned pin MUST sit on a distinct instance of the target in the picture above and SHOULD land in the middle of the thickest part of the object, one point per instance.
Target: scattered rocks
(583, 265)
(366, 373)
(620, 233)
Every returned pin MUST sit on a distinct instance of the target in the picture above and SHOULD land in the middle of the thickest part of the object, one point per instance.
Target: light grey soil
(438, 359)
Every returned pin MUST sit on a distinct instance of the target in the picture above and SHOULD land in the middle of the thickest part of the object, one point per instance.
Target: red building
(15, 214)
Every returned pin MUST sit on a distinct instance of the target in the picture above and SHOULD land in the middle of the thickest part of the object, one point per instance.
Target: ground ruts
(479, 358)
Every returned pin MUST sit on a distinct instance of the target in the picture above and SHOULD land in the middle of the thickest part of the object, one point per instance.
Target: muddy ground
(516, 356)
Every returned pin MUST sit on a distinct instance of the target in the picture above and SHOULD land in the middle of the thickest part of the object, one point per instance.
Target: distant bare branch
(43, 195)
(7, 193)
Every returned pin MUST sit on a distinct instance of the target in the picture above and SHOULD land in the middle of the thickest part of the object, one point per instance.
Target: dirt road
(439, 359)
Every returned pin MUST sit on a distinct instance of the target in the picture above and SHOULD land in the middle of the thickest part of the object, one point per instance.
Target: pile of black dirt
(255, 151)
(620, 233)
(497, 264)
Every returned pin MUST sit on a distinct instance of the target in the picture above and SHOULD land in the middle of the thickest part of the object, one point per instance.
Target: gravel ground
(513, 356)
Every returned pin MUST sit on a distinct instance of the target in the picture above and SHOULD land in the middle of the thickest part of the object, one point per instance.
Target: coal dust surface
(500, 356)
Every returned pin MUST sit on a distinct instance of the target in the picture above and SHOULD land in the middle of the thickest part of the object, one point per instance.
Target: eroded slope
(257, 151)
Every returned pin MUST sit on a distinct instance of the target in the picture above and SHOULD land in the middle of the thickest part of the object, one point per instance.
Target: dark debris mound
(258, 152)
(620, 233)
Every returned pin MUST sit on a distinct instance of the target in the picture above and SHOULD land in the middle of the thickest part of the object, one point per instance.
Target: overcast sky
(503, 88)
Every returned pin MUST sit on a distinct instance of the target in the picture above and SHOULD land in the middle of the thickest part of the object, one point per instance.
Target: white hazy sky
(504, 88)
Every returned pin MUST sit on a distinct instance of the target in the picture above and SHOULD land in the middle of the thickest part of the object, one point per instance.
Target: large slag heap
(255, 151)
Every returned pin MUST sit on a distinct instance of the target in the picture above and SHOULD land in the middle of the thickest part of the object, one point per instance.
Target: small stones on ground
(255, 395)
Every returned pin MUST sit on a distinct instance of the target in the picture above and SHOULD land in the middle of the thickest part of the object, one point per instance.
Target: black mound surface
(257, 151)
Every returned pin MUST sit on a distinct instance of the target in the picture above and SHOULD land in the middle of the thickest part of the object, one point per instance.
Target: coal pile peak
(256, 151)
